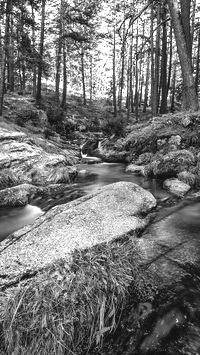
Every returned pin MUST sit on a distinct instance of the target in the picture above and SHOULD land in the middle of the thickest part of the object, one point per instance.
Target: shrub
(8, 179)
(56, 117)
(24, 116)
(113, 125)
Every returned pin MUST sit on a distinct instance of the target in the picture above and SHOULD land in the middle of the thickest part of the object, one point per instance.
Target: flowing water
(183, 223)
(90, 178)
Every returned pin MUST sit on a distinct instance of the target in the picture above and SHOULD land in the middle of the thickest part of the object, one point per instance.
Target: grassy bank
(71, 307)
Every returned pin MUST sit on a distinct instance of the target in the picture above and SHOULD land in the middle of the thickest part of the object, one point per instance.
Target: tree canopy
(136, 54)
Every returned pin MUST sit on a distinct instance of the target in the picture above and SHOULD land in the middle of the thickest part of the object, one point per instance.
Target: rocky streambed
(99, 275)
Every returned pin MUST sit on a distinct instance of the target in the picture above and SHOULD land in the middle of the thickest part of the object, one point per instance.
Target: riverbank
(85, 276)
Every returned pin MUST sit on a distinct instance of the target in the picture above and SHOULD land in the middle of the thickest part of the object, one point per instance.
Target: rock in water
(111, 212)
(176, 187)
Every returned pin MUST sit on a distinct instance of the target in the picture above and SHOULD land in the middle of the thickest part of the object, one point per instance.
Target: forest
(135, 55)
(99, 177)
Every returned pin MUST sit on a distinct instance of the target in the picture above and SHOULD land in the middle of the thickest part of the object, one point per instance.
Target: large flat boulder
(33, 160)
(113, 211)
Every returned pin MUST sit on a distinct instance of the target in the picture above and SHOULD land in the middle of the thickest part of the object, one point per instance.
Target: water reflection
(90, 178)
(12, 219)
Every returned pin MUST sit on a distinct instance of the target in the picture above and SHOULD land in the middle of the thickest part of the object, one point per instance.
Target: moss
(187, 177)
(8, 179)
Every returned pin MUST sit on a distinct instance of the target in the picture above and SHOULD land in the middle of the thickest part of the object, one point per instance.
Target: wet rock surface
(31, 160)
(176, 187)
(115, 210)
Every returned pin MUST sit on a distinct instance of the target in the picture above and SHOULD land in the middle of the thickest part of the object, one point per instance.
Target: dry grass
(73, 305)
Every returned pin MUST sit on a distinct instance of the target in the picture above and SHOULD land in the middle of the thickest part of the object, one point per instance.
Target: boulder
(109, 213)
(176, 187)
(91, 160)
(174, 162)
(174, 142)
(136, 169)
(17, 195)
(187, 177)
(186, 121)
(32, 160)
(144, 158)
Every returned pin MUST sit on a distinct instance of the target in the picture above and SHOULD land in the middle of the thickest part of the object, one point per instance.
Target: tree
(163, 84)
(41, 52)
(2, 71)
(190, 99)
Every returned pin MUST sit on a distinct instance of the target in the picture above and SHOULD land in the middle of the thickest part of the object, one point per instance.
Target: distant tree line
(141, 54)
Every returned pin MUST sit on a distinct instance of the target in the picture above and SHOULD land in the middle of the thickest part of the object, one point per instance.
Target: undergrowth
(73, 305)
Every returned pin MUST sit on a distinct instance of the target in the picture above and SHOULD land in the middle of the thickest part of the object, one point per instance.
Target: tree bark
(121, 82)
(9, 46)
(114, 75)
(185, 21)
(2, 73)
(58, 54)
(152, 59)
(33, 43)
(163, 106)
(173, 89)
(41, 51)
(147, 83)
(190, 96)
(83, 76)
(136, 79)
(64, 93)
(197, 64)
(157, 66)
(91, 78)
(170, 59)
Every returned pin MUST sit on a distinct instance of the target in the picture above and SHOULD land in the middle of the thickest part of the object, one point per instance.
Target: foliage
(27, 115)
(8, 179)
(113, 125)
(74, 304)
(56, 116)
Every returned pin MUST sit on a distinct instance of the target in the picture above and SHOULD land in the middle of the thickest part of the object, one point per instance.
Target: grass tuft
(72, 305)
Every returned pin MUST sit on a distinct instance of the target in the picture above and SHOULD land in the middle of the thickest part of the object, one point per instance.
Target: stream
(90, 178)
(176, 232)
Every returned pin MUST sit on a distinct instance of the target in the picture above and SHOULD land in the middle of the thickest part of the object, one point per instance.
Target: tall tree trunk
(163, 106)
(197, 64)
(83, 76)
(193, 21)
(59, 54)
(152, 58)
(2, 72)
(147, 83)
(136, 79)
(128, 84)
(114, 74)
(190, 96)
(157, 65)
(64, 93)
(173, 89)
(170, 58)
(91, 78)
(185, 22)
(11, 57)
(34, 80)
(121, 83)
(9, 46)
(41, 52)
(131, 73)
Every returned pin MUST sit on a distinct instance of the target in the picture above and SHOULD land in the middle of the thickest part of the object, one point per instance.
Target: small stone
(176, 187)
